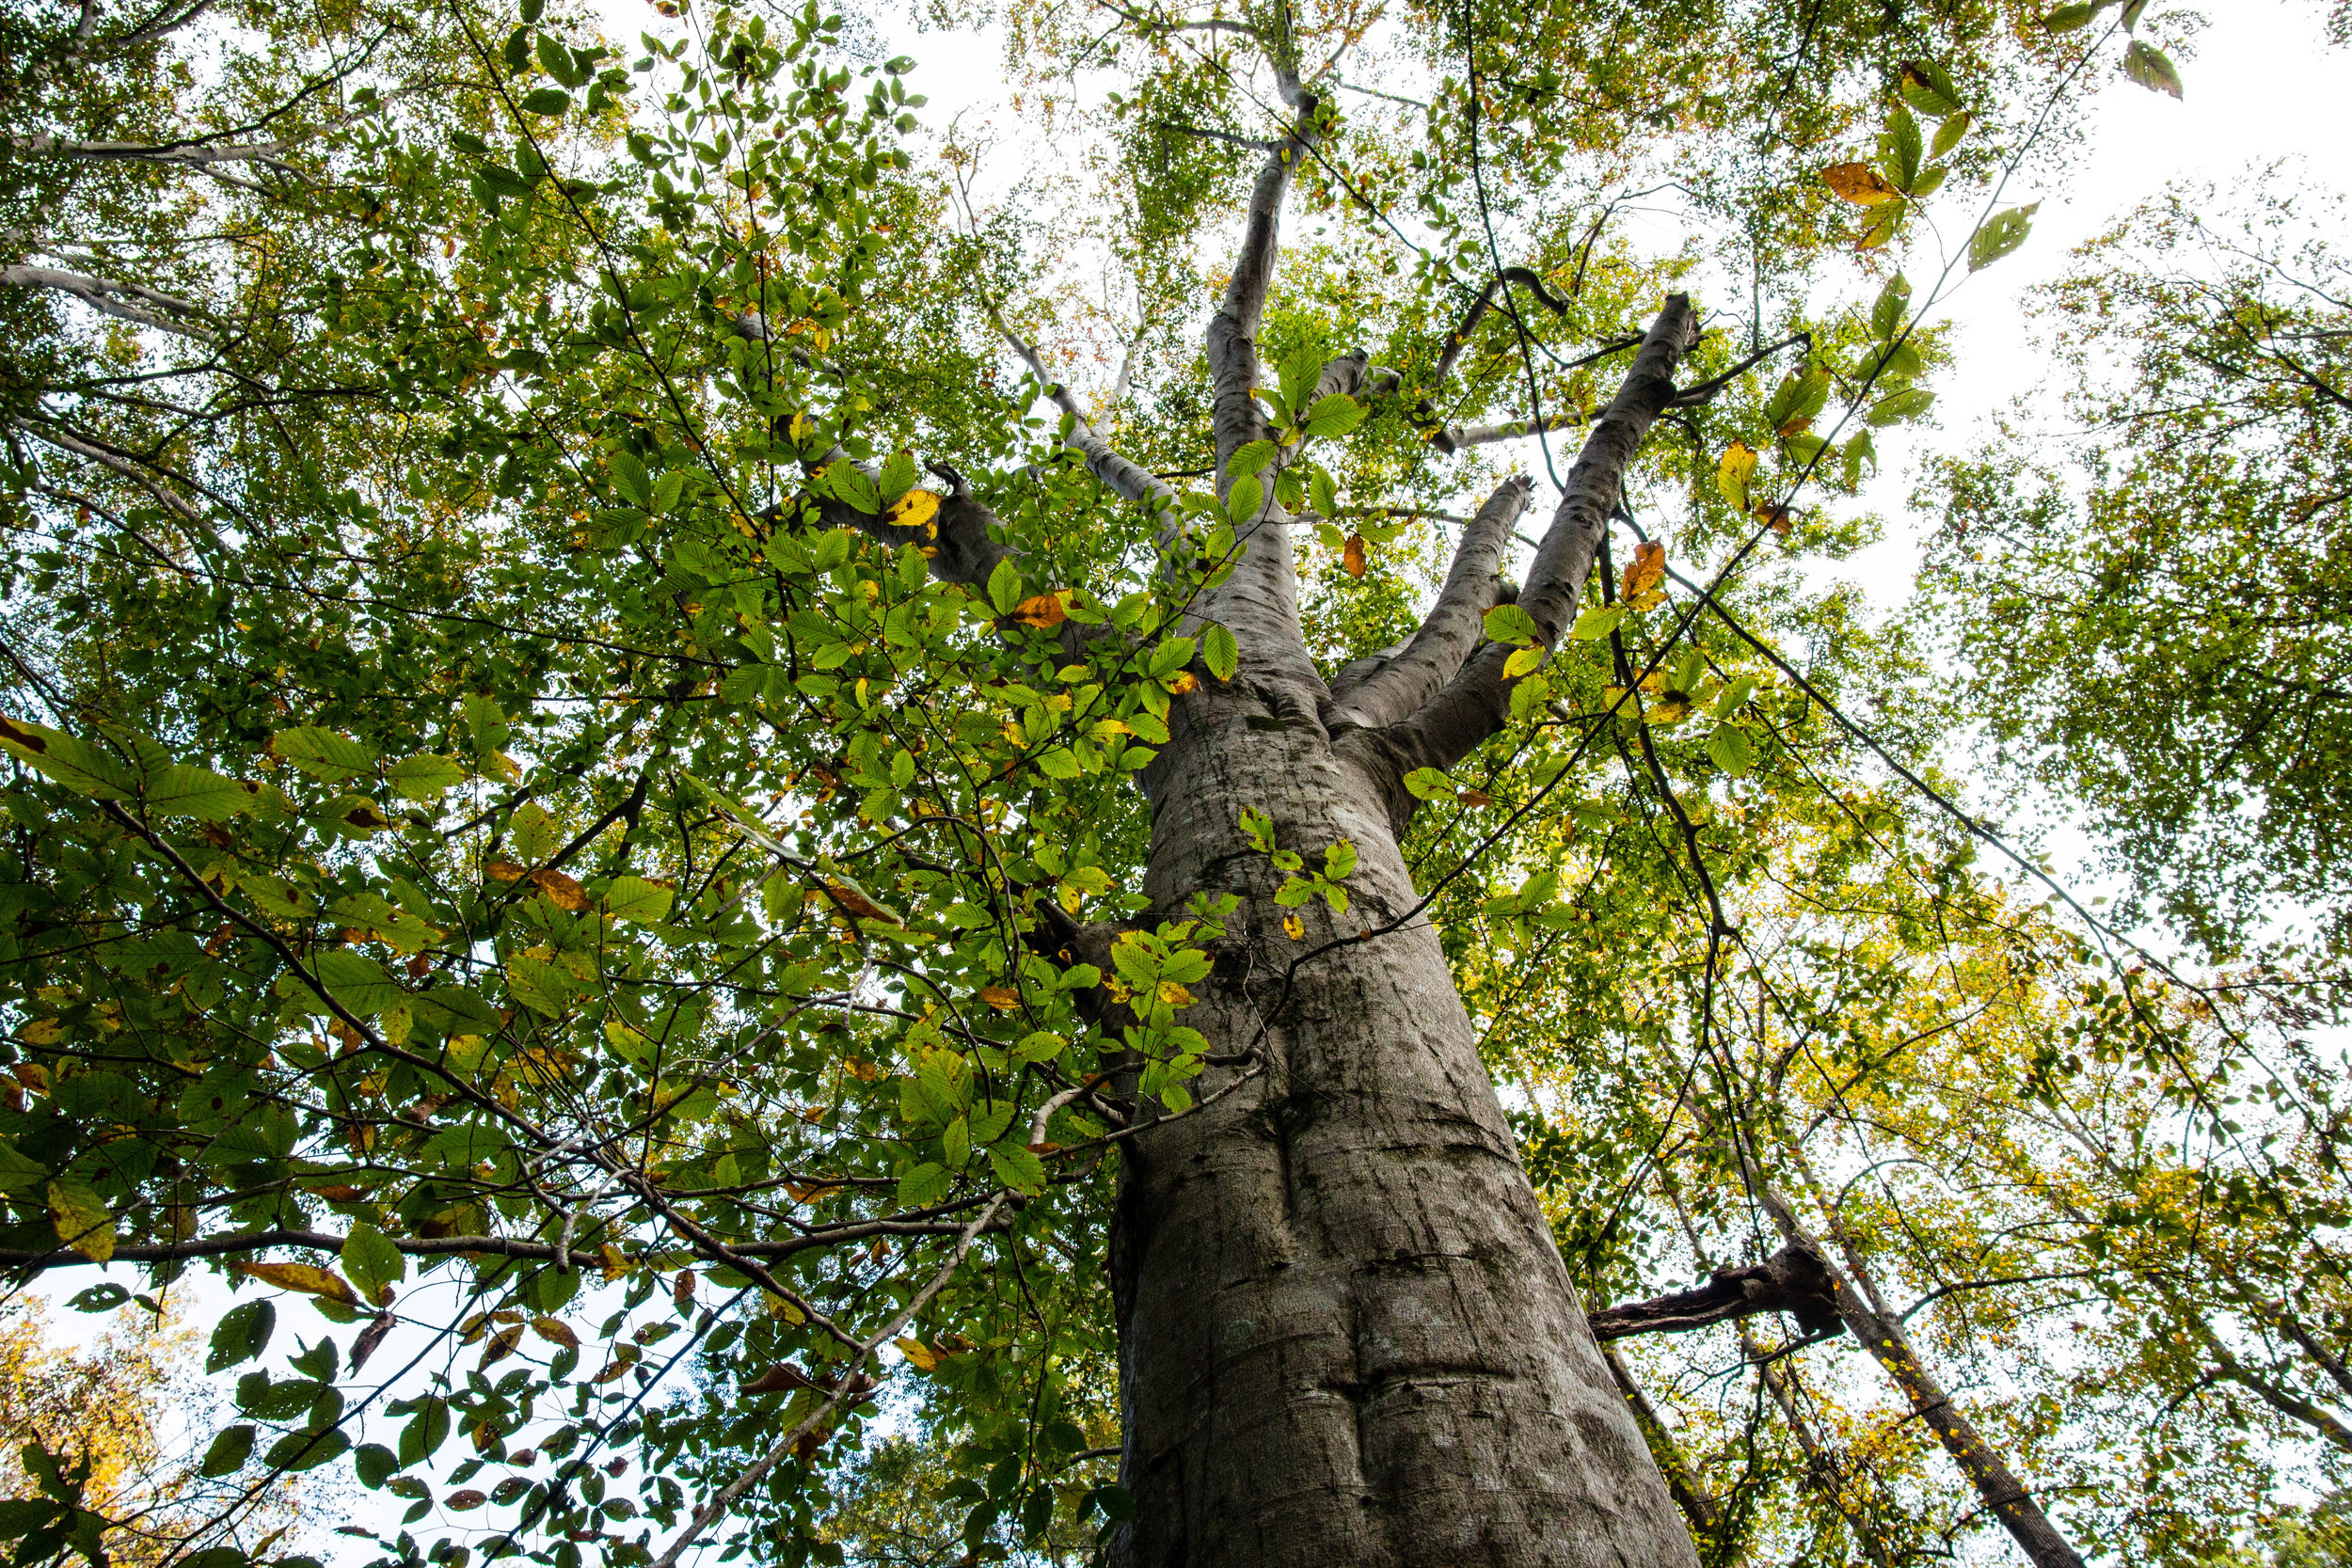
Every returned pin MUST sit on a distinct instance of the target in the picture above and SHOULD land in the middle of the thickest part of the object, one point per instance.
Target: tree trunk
(1346, 1336)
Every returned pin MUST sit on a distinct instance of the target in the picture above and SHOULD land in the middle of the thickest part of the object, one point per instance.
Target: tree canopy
(600, 634)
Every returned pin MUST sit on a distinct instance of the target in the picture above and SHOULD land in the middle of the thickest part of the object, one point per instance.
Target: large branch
(1122, 474)
(1397, 687)
(191, 153)
(1476, 702)
(1232, 335)
(123, 301)
(1796, 1280)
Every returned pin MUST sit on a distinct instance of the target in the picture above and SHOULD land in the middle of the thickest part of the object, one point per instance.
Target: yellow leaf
(306, 1278)
(1860, 185)
(84, 1220)
(917, 509)
(1733, 471)
(1174, 994)
(1003, 998)
(1522, 660)
(1182, 682)
(504, 871)
(564, 893)
(919, 1355)
(41, 1031)
(1643, 572)
(1352, 557)
(1294, 927)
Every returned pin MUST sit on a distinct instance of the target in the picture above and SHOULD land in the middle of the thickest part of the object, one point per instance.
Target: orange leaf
(302, 1276)
(561, 890)
(1182, 682)
(1352, 558)
(1003, 998)
(1643, 572)
(1046, 609)
(1774, 515)
(1860, 185)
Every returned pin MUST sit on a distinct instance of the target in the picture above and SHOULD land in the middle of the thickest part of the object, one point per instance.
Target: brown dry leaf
(855, 903)
(1644, 570)
(1046, 609)
(1860, 185)
(419, 967)
(1474, 798)
(504, 871)
(561, 890)
(500, 1346)
(1352, 556)
(367, 819)
(779, 1378)
(612, 1371)
(555, 1331)
(1774, 515)
(1003, 998)
(459, 1502)
(338, 1193)
(301, 1277)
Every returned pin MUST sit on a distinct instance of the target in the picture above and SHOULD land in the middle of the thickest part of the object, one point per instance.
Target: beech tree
(611, 765)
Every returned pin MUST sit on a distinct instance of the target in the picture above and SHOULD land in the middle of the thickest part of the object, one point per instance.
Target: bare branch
(1796, 1280)
(1398, 686)
(189, 154)
(179, 506)
(1121, 474)
(1453, 438)
(1477, 702)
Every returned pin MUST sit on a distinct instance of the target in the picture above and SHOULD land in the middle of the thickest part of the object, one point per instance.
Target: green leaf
(298, 1452)
(425, 778)
(230, 1447)
(545, 101)
(2001, 233)
(374, 1464)
(1729, 747)
(1926, 88)
(926, 1184)
(1242, 500)
(1332, 417)
(1249, 459)
(1017, 1168)
(1428, 783)
(635, 898)
(241, 1334)
(1735, 696)
(1322, 495)
(186, 791)
(557, 61)
(1596, 623)
(357, 981)
(19, 1174)
(2147, 65)
(1947, 134)
(74, 763)
(1004, 587)
(323, 753)
(370, 1262)
(630, 480)
(1220, 651)
(1907, 404)
(1508, 622)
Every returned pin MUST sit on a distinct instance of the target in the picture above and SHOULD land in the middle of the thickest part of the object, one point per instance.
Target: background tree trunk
(1345, 1332)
